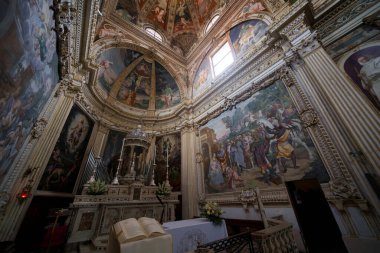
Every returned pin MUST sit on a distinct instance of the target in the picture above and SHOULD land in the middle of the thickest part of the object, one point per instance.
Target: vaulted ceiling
(182, 22)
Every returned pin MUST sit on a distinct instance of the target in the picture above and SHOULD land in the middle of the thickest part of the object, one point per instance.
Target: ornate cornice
(341, 15)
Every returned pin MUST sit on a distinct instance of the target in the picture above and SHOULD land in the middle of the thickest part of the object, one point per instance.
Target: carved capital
(81, 99)
(309, 118)
(38, 128)
(247, 196)
(307, 45)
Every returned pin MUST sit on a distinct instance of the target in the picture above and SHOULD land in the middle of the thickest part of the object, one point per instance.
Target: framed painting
(261, 142)
(63, 167)
(262, 137)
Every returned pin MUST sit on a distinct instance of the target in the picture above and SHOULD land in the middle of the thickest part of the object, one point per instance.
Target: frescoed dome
(135, 80)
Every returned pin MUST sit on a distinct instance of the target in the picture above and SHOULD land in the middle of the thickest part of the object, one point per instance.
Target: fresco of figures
(247, 33)
(259, 143)
(242, 36)
(127, 10)
(251, 8)
(168, 151)
(112, 151)
(126, 76)
(358, 56)
(65, 161)
(111, 64)
(28, 65)
(182, 20)
(167, 91)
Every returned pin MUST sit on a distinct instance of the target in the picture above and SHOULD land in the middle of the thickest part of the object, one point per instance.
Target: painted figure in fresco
(160, 10)
(221, 156)
(167, 95)
(233, 178)
(76, 134)
(370, 75)
(260, 148)
(106, 73)
(249, 34)
(215, 174)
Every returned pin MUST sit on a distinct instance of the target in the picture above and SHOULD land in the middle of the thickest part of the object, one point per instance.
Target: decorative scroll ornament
(64, 14)
(295, 28)
(285, 77)
(309, 118)
(229, 104)
(341, 188)
(38, 128)
(81, 99)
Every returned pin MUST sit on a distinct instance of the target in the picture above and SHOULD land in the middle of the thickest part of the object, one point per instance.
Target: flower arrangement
(97, 188)
(163, 190)
(212, 211)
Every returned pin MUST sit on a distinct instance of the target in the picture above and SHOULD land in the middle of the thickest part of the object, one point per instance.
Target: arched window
(222, 59)
(154, 34)
(211, 23)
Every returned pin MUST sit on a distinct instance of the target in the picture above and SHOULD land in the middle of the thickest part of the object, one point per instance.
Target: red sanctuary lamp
(24, 194)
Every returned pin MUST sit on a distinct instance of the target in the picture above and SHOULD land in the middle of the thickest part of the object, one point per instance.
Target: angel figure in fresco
(160, 10)
(106, 73)
(76, 134)
(167, 95)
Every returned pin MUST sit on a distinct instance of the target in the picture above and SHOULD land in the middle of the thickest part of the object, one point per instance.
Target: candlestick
(154, 155)
(167, 155)
(116, 179)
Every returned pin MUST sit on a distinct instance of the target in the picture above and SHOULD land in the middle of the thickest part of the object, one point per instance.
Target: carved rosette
(38, 128)
(309, 118)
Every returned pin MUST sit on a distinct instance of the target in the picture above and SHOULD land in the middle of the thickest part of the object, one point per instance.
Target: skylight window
(154, 34)
(211, 23)
(222, 59)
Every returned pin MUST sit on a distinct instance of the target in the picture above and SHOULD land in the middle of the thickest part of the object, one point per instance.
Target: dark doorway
(317, 223)
(45, 226)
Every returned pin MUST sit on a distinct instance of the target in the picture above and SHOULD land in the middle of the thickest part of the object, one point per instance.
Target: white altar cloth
(186, 233)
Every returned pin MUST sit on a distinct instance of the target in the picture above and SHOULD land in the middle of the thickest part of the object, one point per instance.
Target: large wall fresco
(167, 91)
(111, 63)
(65, 161)
(112, 151)
(358, 56)
(247, 33)
(28, 70)
(168, 151)
(259, 143)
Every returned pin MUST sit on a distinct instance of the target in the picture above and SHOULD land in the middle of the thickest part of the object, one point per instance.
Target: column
(189, 173)
(100, 140)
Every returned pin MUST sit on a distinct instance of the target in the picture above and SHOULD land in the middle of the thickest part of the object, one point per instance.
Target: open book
(133, 230)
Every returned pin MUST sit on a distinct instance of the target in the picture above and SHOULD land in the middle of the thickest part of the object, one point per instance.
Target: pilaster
(100, 140)
(352, 121)
(47, 132)
(189, 173)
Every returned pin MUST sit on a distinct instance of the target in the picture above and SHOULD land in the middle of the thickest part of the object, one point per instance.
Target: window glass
(212, 22)
(222, 59)
(154, 34)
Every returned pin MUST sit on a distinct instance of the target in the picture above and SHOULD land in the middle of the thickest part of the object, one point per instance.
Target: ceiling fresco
(134, 80)
(181, 21)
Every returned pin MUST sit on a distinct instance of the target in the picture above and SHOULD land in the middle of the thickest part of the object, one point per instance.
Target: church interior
(267, 110)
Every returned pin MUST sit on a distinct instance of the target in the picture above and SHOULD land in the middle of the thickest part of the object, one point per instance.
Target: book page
(129, 230)
(151, 226)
